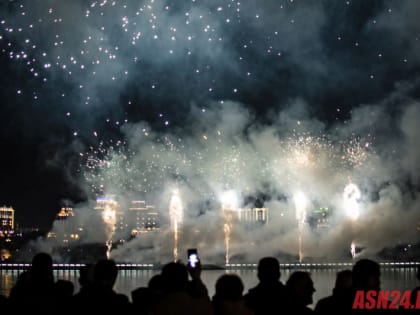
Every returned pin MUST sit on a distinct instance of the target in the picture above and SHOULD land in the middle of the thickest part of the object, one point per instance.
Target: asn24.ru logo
(386, 299)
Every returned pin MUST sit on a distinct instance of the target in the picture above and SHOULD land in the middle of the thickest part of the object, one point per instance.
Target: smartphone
(193, 258)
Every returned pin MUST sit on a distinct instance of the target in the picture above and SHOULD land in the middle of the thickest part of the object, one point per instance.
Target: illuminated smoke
(351, 198)
(230, 200)
(353, 249)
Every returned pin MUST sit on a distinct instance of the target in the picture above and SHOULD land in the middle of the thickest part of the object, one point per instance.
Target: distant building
(64, 213)
(120, 223)
(142, 218)
(250, 215)
(7, 221)
(66, 229)
(138, 217)
(254, 215)
(107, 203)
(320, 218)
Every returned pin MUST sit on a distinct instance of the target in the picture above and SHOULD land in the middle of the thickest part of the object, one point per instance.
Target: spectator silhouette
(268, 296)
(341, 300)
(228, 299)
(100, 296)
(367, 277)
(63, 292)
(144, 298)
(86, 275)
(65, 287)
(4, 304)
(175, 298)
(416, 291)
(195, 287)
(34, 291)
(3, 300)
(299, 291)
(156, 284)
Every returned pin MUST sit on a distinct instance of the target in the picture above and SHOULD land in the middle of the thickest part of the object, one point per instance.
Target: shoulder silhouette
(228, 299)
(341, 300)
(268, 296)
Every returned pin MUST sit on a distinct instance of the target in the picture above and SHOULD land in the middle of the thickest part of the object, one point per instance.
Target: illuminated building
(65, 228)
(142, 218)
(7, 221)
(64, 213)
(320, 218)
(250, 215)
(138, 218)
(254, 215)
(107, 202)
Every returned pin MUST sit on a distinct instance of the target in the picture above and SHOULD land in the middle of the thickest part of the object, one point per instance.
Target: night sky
(105, 97)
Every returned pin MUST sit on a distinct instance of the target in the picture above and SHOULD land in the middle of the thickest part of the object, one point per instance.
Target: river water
(128, 280)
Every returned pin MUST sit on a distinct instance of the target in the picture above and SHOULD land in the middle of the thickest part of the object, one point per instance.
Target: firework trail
(229, 201)
(351, 197)
(109, 218)
(175, 214)
(226, 230)
(300, 204)
(353, 250)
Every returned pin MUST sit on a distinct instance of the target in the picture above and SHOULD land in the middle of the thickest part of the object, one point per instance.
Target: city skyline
(122, 227)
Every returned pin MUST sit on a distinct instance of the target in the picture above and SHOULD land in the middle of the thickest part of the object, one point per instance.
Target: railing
(23, 266)
(133, 266)
(327, 265)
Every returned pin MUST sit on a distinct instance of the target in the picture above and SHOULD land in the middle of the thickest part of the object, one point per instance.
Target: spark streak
(301, 204)
(176, 215)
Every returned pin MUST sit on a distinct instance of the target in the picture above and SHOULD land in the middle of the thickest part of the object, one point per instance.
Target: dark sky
(79, 76)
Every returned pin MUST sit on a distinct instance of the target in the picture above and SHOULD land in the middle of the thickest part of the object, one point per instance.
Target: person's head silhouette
(300, 287)
(105, 273)
(229, 287)
(174, 277)
(268, 270)
(42, 266)
(366, 275)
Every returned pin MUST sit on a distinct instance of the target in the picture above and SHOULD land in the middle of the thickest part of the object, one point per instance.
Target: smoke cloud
(229, 151)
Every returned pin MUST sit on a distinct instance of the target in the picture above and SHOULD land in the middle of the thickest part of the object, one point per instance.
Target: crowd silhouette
(178, 289)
